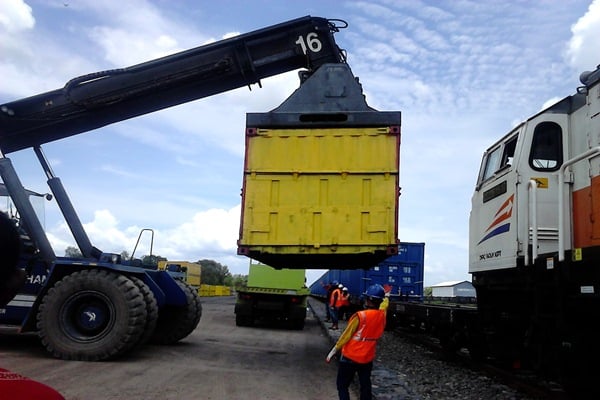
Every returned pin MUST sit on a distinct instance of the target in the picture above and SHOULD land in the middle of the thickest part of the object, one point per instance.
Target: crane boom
(98, 99)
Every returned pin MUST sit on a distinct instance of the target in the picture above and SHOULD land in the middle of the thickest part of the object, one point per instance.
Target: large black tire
(151, 310)
(92, 315)
(176, 323)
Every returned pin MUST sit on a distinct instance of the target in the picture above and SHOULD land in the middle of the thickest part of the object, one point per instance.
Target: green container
(262, 276)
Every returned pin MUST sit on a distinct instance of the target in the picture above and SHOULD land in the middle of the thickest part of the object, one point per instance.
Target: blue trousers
(346, 371)
(334, 315)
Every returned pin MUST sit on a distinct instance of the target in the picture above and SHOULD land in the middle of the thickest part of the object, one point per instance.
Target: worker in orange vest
(358, 343)
(329, 288)
(344, 312)
(334, 303)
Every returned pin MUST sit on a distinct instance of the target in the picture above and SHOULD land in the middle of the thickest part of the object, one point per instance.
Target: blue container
(403, 272)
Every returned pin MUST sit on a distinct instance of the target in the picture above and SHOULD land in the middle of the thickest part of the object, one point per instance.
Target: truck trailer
(272, 294)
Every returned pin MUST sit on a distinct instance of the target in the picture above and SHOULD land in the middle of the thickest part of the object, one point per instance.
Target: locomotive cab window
(498, 159)
(509, 152)
(546, 147)
(490, 164)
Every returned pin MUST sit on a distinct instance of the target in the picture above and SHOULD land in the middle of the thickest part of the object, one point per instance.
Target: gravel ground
(407, 371)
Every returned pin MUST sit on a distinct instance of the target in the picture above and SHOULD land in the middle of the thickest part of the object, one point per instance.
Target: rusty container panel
(320, 198)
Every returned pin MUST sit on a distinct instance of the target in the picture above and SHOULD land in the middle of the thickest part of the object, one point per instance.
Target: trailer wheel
(244, 320)
(176, 323)
(92, 315)
(151, 310)
(297, 324)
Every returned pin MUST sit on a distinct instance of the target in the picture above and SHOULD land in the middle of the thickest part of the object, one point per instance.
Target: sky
(462, 72)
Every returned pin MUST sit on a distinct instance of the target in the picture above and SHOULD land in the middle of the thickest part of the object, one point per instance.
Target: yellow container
(223, 291)
(204, 290)
(191, 270)
(320, 198)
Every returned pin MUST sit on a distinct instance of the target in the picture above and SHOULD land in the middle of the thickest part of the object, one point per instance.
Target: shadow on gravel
(280, 324)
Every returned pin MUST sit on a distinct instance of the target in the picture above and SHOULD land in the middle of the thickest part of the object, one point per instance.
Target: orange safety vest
(361, 347)
(344, 300)
(335, 297)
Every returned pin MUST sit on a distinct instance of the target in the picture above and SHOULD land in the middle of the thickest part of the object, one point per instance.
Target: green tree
(73, 252)
(213, 273)
(239, 281)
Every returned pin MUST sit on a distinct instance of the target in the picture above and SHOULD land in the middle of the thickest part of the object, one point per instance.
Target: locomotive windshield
(546, 147)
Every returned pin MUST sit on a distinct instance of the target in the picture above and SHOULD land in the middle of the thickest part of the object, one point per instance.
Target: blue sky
(462, 73)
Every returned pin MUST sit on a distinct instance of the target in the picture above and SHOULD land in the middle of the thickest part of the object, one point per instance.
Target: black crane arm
(98, 99)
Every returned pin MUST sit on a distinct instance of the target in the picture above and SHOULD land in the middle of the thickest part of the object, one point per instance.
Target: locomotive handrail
(561, 183)
(532, 222)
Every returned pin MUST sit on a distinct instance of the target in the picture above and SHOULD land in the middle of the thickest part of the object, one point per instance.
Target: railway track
(524, 381)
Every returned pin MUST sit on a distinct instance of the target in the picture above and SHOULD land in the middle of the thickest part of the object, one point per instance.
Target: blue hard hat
(375, 292)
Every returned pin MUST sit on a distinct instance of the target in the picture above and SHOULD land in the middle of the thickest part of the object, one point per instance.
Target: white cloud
(210, 234)
(216, 229)
(132, 32)
(33, 60)
(125, 47)
(117, 170)
(230, 35)
(550, 102)
(583, 47)
(15, 15)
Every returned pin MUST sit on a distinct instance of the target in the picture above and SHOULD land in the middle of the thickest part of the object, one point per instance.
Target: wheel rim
(87, 316)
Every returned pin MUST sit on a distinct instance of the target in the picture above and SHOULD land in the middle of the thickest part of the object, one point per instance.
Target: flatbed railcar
(403, 272)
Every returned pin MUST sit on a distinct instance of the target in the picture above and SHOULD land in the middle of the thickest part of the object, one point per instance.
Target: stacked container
(403, 272)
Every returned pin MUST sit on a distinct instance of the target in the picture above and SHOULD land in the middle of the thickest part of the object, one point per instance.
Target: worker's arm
(386, 298)
(385, 303)
(351, 328)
